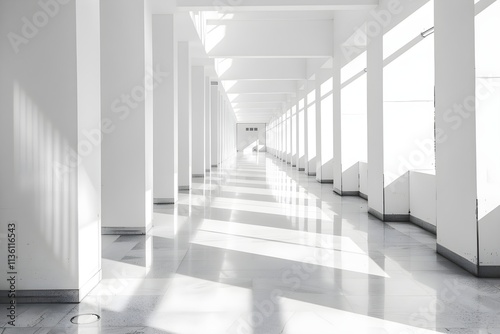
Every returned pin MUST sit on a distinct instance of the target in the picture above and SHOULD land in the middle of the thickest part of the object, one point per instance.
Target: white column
(50, 170)
(300, 135)
(215, 123)
(337, 125)
(324, 127)
(310, 117)
(375, 121)
(208, 125)
(165, 98)
(294, 136)
(185, 116)
(198, 108)
(126, 80)
(457, 225)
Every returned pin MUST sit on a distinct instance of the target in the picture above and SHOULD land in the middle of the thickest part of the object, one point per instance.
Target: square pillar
(324, 127)
(50, 170)
(208, 126)
(215, 103)
(198, 120)
(127, 85)
(185, 117)
(165, 131)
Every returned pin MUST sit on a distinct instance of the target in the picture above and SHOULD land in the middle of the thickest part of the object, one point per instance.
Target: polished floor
(258, 247)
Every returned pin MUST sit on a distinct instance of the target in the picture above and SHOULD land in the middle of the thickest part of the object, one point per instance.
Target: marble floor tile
(258, 247)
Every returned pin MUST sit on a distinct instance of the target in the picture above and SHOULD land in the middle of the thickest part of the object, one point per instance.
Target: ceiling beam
(261, 87)
(261, 69)
(281, 5)
(269, 39)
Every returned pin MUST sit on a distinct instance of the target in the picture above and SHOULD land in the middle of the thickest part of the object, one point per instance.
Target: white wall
(50, 146)
(488, 136)
(251, 141)
(363, 178)
(423, 195)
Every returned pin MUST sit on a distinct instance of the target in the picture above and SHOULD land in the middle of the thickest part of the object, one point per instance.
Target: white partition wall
(198, 120)
(185, 117)
(126, 65)
(165, 108)
(50, 170)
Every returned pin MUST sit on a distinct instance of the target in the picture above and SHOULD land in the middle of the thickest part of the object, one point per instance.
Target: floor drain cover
(87, 318)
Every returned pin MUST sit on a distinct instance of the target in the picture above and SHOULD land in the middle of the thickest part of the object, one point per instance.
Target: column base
(474, 269)
(423, 224)
(52, 296)
(164, 201)
(126, 230)
(389, 218)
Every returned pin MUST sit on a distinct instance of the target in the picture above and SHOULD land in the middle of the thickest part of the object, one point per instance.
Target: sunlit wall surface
(50, 148)
(488, 134)
(353, 121)
(408, 105)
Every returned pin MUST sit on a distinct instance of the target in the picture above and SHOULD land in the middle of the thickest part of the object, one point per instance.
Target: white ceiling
(262, 53)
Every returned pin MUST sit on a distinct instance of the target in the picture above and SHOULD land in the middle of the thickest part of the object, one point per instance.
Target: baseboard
(311, 174)
(164, 201)
(337, 191)
(215, 166)
(376, 214)
(42, 296)
(198, 176)
(489, 271)
(423, 224)
(126, 230)
(457, 259)
(184, 188)
(396, 218)
(325, 181)
(207, 170)
(350, 193)
(363, 196)
(474, 269)
(301, 169)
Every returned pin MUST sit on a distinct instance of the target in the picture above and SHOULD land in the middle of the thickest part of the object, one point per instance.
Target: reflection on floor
(258, 247)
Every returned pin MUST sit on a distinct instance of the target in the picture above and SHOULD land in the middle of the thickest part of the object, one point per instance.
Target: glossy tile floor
(261, 248)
